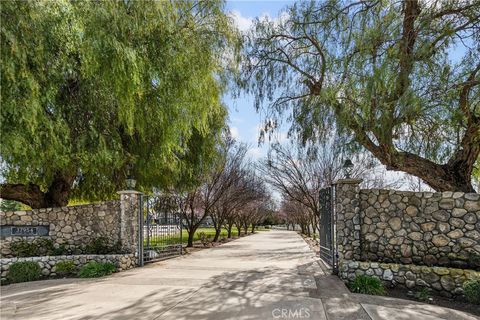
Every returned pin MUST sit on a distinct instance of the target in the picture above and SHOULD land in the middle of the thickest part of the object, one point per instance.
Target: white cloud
(281, 137)
(256, 153)
(243, 23)
(234, 133)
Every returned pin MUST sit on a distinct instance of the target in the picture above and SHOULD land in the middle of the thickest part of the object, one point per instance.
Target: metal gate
(160, 232)
(328, 250)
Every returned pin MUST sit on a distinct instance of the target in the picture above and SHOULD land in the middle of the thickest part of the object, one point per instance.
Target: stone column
(347, 208)
(129, 220)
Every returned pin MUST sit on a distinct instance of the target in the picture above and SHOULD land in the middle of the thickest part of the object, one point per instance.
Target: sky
(244, 120)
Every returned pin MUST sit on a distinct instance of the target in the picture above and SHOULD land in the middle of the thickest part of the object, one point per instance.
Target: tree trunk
(229, 230)
(455, 175)
(217, 234)
(191, 234)
(245, 229)
(56, 196)
(239, 230)
(253, 228)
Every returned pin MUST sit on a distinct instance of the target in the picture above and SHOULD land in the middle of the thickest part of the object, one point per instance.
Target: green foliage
(46, 247)
(367, 285)
(37, 247)
(101, 245)
(9, 205)
(204, 238)
(23, 271)
(472, 291)
(23, 248)
(98, 85)
(65, 268)
(474, 258)
(423, 294)
(95, 269)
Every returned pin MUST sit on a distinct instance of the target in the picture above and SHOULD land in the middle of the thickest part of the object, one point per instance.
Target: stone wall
(433, 229)
(48, 263)
(411, 239)
(73, 227)
(443, 281)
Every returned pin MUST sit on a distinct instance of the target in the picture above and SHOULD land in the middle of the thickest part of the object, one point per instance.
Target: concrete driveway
(269, 275)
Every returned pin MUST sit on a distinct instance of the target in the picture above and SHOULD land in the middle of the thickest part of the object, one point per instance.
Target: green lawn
(210, 232)
(170, 240)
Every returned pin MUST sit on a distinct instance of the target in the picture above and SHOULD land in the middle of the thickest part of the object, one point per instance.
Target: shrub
(23, 248)
(60, 250)
(204, 238)
(472, 291)
(95, 269)
(423, 294)
(36, 248)
(44, 247)
(23, 271)
(367, 285)
(65, 268)
(100, 246)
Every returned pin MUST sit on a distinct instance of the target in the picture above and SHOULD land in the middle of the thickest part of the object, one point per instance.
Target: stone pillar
(129, 220)
(347, 208)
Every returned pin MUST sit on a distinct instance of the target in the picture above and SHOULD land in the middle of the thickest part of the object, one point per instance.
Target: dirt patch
(313, 244)
(197, 245)
(434, 300)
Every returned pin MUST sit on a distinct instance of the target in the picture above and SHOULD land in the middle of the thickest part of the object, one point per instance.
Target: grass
(209, 231)
(172, 240)
(262, 228)
(367, 285)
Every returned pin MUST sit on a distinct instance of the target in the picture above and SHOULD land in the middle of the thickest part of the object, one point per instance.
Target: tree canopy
(91, 87)
(399, 78)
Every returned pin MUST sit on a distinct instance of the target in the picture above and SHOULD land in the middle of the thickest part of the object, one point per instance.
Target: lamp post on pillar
(130, 216)
(348, 168)
(347, 208)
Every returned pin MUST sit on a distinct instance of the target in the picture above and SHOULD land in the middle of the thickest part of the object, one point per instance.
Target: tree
(253, 209)
(242, 205)
(300, 175)
(296, 213)
(400, 78)
(213, 182)
(89, 88)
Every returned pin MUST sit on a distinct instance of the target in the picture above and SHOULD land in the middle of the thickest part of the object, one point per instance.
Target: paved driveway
(269, 275)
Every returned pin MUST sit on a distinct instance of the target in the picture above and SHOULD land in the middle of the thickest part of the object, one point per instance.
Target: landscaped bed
(433, 299)
(424, 295)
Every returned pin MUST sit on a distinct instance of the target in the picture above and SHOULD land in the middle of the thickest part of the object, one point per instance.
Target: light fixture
(348, 168)
(130, 181)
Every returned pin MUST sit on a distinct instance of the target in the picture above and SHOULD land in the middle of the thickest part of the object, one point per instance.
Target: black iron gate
(160, 232)
(328, 251)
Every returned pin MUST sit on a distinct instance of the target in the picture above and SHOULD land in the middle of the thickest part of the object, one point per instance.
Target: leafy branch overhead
(400, 78)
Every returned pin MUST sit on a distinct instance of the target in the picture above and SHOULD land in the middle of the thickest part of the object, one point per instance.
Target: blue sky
(244, 120)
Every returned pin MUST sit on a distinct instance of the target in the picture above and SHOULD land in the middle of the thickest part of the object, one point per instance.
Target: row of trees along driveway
(229, 192)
